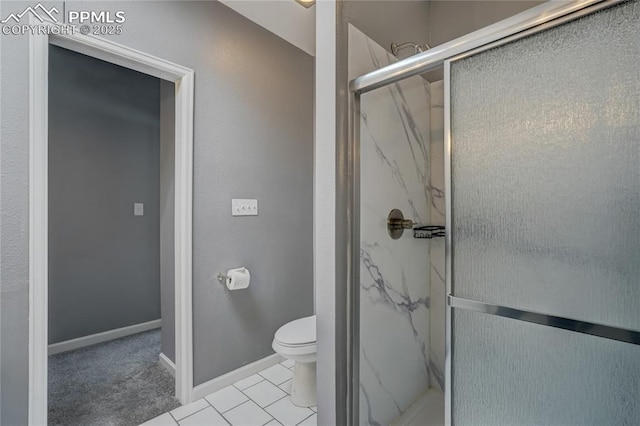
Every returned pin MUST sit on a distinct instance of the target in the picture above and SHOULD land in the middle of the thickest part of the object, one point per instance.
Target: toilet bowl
(297, 341)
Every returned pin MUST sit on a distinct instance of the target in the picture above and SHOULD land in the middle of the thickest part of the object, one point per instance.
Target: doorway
(110, 210)
(182, 81)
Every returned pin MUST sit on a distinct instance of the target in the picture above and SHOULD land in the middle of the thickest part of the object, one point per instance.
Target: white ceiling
(285, 18)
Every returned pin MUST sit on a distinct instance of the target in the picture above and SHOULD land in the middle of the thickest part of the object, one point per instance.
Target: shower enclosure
(540, 162)
(396, 358)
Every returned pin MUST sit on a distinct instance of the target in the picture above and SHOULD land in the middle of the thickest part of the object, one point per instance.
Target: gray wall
(452, 19)
(390, 21)
(104, 154)
(253, 138)
(14, 223)
(167, 218)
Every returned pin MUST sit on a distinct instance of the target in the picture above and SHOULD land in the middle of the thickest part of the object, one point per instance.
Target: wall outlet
(242, 207)
(138, 209)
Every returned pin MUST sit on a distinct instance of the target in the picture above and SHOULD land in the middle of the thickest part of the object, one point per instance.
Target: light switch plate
(138, 209)
(243, 207)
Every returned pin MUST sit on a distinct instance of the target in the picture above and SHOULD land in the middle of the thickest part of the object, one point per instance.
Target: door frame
(183, 78)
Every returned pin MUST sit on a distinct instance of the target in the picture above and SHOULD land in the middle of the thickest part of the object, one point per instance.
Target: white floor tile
(310, 421)
(186, 410)
(314, 409)
(208, 416)
(264, 393)
(277, 374)
(286, 386)
(247, 414)
(273, 422)
(249, 381)
(225, 399)
(287, 363)
(162, 420)
(288, 414)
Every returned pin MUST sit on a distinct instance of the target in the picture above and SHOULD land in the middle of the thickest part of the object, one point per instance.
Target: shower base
(428, 410)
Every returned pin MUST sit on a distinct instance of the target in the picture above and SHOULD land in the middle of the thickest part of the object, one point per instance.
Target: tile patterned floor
(261, 399)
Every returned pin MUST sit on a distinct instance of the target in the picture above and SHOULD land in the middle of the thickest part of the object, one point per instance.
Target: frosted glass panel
(546, 171)
(509, 372)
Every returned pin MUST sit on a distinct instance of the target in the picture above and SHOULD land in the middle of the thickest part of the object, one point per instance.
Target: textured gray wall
(452, 19)
(104, 155)
(389, 21)
(253, 138)
(14, 226)
(167, 218)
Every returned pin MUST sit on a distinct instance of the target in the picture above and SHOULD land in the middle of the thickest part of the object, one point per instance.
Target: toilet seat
(297, 338)
(294, 350)
(299, 332)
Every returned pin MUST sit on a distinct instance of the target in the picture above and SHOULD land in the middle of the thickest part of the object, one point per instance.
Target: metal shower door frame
(537, 19)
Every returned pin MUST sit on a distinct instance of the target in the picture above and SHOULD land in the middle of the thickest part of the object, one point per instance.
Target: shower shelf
(428, 231)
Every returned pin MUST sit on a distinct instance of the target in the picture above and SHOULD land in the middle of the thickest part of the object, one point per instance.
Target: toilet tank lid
(298, 332)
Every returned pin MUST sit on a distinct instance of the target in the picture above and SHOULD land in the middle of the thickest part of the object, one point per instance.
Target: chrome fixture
(396, 224)
(594, 329)
(396, 48)
(222, 277)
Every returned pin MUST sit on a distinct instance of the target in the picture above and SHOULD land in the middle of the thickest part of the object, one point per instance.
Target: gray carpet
(113, 383)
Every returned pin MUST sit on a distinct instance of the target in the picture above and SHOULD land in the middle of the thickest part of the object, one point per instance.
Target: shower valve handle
(400, 223)
(396, 224)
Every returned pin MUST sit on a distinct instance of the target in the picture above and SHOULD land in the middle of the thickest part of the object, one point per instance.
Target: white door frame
(38, 201)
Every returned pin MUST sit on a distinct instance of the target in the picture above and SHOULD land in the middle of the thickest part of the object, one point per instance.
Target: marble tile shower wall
(394, 274)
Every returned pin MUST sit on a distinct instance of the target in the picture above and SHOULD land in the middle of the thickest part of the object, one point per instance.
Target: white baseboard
(233, 376)
(169, 365)
(92, 339)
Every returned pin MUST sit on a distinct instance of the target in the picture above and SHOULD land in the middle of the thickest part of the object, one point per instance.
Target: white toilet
(297, 341)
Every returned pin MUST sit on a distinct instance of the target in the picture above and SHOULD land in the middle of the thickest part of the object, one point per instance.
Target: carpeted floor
(119, 383)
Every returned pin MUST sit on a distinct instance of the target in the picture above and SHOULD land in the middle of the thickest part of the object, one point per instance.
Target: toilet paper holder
(235, 279)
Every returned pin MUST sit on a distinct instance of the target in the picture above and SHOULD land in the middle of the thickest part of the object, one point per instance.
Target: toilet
(296, 341)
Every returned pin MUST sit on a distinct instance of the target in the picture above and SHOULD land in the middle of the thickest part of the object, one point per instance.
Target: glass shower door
(545, 219)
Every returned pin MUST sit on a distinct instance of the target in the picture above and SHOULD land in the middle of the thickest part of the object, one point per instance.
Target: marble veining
(392, 165)
(380, 382)
(381, 292)
(395, 298)
(414, 135)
